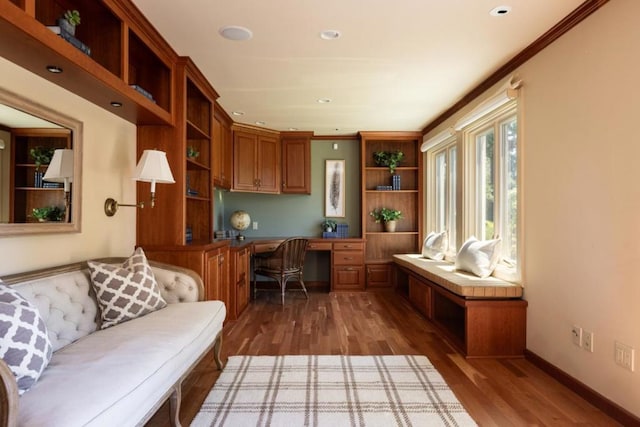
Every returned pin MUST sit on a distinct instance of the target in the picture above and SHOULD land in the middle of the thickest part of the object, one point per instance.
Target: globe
(240, 221)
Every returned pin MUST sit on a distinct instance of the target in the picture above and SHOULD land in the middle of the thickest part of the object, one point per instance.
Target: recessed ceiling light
(500, 10)
(54, 69)
(261, 123)
(324, 101)
(238, 113)
(116, 104)
(234, 32)
(330, 34)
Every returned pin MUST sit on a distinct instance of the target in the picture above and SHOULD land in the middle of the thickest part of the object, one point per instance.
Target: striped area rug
(331, 391)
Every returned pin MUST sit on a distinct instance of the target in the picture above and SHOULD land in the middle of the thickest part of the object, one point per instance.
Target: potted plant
(48, 213)
(41, 156)
(387, 216)
(69, 21)
(192, 153)
(391, 159)
(329, 225)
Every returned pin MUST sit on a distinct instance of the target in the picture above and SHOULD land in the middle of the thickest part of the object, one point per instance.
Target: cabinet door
(348, 278)
(226, 171)
(268, 172)
(296, 166)
(212, 284)
(242, 280)
(244, 161)
(379, 275)
(420, 296)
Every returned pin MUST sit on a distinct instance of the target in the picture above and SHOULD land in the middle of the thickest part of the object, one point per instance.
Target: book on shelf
(70, 39)
(143, 92)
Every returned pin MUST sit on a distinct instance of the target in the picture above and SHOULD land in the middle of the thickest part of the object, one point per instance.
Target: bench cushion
(118, 374)
(464, 284)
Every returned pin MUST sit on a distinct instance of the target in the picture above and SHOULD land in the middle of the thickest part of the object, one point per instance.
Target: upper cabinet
(296, 162)
(115, 59)
(256, 160)
(184, 208)
(222, 149)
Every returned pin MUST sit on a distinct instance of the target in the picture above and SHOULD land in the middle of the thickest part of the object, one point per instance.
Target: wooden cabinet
(296, 162)
(222, 161)
(420, 296)
(347, 265)
(240, 280)
(381, 245)
(380, 275)
(129, 62)
(210, 261)
(256, 160)
(184, 208)
(28, 191)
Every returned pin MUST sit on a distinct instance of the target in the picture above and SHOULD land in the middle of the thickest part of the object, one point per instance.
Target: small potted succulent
(329, 225)
(388, 217)
(192, 153)
(391, 159)
(69, 21)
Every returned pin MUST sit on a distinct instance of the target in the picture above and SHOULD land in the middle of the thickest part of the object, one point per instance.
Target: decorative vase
(67, 26)
(390, 226)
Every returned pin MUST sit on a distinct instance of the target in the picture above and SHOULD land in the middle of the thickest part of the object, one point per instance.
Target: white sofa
(117, 376)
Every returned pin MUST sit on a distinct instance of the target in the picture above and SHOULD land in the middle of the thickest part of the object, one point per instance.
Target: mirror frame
(28, 106)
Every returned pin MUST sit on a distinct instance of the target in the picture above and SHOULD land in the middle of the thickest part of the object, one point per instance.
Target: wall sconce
(60, 169)
(153, 167)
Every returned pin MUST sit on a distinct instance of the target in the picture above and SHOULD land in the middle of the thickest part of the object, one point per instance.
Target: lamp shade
(61, 167)
(153, 167)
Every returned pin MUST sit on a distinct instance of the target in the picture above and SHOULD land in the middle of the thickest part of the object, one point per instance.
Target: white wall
(108, 161)
(581, 105)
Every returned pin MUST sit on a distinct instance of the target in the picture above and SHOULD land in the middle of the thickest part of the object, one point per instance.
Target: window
(492, 185)
(443, 201)
(473, 180)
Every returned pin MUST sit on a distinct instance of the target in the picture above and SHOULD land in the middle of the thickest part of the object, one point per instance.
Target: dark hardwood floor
(495, 392)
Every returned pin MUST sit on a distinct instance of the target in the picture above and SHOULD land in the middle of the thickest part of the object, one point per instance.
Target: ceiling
(396, 66)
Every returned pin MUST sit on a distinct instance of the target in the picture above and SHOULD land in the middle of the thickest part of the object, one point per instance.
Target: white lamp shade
(61, 167)
(153, 167)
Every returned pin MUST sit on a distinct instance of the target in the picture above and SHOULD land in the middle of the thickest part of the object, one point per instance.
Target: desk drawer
(266, 247)
(319, 246)
(348, 258)
(348, 246)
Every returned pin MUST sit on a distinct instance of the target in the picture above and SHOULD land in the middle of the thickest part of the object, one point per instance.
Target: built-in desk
(347, 259)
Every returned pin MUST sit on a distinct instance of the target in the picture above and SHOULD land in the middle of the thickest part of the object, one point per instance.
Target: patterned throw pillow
(24, 343)
(125, 292)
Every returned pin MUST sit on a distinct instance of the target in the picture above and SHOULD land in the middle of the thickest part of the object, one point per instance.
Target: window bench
(480, 317)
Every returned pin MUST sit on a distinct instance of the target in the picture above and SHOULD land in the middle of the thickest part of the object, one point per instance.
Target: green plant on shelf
(48, 213)
(192, 153)
(329, 225)
(41, 155)
(72, 17)
(391, 159)
(385, 215)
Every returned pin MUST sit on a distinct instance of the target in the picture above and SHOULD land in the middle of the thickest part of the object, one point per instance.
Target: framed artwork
(334, 197)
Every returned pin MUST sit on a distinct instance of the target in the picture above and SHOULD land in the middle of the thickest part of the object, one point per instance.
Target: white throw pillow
(479, 257)
(125, 292)
(24, 342)
(435, 245)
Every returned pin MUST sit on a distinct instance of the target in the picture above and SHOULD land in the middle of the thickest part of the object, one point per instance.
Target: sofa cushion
(479, 257)
(24, 343)
(125, 292)
(116, 376)
(435, 245)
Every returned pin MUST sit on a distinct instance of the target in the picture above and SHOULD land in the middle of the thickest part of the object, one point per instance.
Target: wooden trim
(8, 397)
(335, 138)
(610, 408)
(562, 27)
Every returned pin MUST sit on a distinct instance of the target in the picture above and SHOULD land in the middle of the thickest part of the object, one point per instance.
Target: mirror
(40, 158)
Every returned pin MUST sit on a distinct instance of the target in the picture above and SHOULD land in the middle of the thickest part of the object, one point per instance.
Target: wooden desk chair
(286, 262)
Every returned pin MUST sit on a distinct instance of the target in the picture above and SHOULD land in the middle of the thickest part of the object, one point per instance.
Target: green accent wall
(299, 214)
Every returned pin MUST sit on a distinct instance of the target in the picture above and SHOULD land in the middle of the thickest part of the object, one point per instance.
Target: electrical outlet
(576, 335)
(255, 225)
(587, 341)
(624, 355)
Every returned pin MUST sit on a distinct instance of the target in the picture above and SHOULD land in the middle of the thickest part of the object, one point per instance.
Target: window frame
(471, 226)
